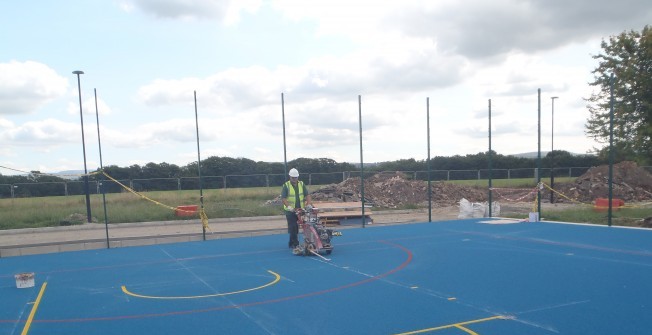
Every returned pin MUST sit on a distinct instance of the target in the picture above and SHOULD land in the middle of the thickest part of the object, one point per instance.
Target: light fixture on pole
(81, 116)
(552, 152)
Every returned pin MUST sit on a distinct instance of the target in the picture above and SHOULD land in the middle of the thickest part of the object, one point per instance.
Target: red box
(602, 204)
(186, 210)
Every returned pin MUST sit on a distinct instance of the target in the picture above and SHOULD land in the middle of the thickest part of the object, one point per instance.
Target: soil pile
(392, 190)
(631, 183)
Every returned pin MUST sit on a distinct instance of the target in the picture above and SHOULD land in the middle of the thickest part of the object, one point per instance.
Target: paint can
(24, 280)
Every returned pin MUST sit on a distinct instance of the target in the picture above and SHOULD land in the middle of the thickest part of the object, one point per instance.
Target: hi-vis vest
(292, 196)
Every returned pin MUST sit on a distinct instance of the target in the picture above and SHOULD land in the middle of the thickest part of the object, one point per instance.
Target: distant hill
(69, 174)
(543, 154)
(530, 154)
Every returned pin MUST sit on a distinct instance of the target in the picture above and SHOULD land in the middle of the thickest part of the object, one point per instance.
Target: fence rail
(76, 187)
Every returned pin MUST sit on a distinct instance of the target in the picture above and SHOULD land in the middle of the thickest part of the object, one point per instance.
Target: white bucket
(534, 217)
(24, 280)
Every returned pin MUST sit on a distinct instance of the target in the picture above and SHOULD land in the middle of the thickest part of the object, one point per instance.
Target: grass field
(224, 203)
(128, 207)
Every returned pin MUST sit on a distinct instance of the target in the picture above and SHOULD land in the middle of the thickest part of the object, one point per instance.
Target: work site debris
(631, 183)
(477, 209)
(395, 189)
(392, 190)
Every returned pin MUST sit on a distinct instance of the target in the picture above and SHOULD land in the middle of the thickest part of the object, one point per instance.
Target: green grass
(510, 183)
(128, 207)
(585, 213)
(581, 213)
(630, 217)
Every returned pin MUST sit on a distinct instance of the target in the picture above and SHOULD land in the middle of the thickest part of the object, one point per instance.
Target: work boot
(297, 250)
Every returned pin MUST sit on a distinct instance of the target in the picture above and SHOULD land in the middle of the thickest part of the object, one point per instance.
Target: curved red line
(255, 303)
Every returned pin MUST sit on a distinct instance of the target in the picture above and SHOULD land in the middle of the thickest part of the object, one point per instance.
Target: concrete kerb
(101, 226)
(17, 242)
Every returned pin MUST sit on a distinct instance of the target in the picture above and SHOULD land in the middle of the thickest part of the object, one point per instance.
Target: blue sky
(146, 57)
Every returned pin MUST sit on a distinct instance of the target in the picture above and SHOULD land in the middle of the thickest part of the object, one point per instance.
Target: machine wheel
(298, 250)
(309, 248)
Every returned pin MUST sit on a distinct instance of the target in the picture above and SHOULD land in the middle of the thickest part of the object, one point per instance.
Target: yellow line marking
(459, 325)
(466, 330)
(28, 323)
(277, 277)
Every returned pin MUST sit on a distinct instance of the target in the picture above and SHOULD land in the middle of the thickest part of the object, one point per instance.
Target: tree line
(228, 166)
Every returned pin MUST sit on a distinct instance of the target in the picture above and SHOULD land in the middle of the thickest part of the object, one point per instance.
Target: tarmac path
(17, 242)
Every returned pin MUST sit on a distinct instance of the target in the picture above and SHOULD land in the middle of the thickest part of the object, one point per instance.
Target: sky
(335, 71)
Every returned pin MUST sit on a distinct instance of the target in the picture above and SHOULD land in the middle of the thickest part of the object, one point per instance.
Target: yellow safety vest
(292, 196)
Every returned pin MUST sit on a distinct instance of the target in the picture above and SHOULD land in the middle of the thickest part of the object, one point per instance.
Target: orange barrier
(187, 210)
(602, 204)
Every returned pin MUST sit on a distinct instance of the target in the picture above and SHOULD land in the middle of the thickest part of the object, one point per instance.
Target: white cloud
(88, 106)
(26, 86)
(42, 135)
(480, 29)
(225, 11)
(394, 53)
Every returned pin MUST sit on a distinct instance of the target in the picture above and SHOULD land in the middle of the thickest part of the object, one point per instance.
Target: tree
(628, 57)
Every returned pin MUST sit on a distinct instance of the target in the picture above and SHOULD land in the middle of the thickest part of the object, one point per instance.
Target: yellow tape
(202, 213)
(204, 219)
(138, 194)
(563, 195)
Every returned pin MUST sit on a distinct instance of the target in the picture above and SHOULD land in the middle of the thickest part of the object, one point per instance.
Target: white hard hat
(294, 173)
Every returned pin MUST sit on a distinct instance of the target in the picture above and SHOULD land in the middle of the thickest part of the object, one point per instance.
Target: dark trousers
(293, 228)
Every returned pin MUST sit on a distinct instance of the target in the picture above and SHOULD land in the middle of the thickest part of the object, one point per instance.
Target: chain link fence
(76, 187)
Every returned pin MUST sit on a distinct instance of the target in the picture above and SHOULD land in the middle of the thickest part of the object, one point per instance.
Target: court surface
(443, 278)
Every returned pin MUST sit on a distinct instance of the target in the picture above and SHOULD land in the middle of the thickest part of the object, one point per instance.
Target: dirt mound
(630, 183)
(392, 190)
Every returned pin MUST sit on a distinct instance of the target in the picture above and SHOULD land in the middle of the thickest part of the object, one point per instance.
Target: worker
(294, 195)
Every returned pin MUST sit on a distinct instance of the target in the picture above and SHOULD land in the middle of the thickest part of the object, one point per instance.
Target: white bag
(466, 209)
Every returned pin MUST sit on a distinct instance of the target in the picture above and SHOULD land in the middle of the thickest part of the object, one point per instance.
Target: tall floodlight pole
(364, 219)
(429, 182)
(552, 152)
(99, 144)
(611, 147)
(285, 156)
(201, 188)
(539, 153)
(490, 165)
(81, 116)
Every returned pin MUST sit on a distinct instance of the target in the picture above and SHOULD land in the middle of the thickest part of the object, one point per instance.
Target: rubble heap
(630, 183)
(392, 190)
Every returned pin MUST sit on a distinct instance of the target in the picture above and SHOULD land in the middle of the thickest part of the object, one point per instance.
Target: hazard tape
(202, 213)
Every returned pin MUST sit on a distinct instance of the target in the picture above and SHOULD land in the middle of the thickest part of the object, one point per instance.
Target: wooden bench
(343, 213)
